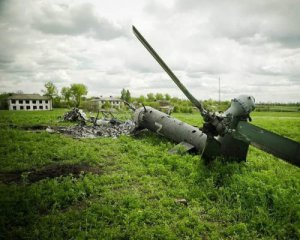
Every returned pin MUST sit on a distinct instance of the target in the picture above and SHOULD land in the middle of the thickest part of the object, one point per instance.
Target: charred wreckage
(107, 126)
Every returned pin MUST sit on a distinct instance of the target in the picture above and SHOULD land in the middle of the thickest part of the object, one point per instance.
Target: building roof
(28, 97)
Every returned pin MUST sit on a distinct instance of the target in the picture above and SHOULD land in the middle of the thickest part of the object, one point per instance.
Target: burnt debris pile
(85, 131)
(75, 115)
(93, 127)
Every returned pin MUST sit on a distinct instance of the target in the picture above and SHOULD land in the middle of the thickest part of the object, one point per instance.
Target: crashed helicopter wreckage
(104, 127)
(225, 134)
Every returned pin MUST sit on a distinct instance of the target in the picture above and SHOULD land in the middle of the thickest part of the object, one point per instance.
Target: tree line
(75, 96)
(71, 96)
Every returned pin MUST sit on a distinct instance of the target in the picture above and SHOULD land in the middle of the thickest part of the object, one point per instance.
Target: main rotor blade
(273, 143)
(168, 71)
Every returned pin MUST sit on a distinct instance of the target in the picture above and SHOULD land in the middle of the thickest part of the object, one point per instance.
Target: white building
(114, 102)
(29, 102)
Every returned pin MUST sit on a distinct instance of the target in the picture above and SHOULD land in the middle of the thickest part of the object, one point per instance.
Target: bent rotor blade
(273, 143)
(168, 71)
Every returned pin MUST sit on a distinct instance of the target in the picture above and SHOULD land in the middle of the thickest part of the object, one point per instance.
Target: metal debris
(74, 115)
(107, 119)
(182, 201)
(108, 130)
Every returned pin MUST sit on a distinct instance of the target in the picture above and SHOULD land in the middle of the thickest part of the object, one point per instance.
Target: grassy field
(128, 188)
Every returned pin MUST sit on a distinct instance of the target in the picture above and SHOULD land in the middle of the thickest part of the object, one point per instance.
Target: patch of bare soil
(34, 127)
(50, 171)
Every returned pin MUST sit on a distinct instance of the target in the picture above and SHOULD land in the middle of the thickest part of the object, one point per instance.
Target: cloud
(251, 21)
(60, 19)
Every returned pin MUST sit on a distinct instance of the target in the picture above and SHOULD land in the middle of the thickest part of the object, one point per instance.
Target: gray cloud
(79, 19)
(251, 21)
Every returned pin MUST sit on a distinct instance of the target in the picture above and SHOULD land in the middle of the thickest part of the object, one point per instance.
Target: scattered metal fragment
(107, 119)
(50, 130)
(182, 201)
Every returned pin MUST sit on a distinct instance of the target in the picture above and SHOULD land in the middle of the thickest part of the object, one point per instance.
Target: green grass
(135, 195)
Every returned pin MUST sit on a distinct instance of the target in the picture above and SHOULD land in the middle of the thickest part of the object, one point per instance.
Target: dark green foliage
(125, 95)
(159, 96)
(150, 97)
(167, 97)
(3, 101)
(134, 196)
(128, 96)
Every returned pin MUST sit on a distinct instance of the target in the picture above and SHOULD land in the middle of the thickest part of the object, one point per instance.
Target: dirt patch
(51, 171)
(34, 127)
(37, 127)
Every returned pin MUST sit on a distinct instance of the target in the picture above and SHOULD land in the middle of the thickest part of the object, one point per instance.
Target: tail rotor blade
(168, 71)
(273, 143)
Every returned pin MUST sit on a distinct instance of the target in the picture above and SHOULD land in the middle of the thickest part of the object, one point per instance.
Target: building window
(33, 101)
(27, 101)
(41, 101)
(20, 101)
(46, 107)
(34, 107)
(21, 107)
(13, 101)
(46, 101)
(28, 107)
(40, 107)
(14, 108)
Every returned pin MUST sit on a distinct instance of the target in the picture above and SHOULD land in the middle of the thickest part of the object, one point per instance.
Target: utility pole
(219, 91)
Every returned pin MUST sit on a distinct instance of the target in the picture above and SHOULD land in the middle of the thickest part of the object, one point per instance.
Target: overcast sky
(254, 46)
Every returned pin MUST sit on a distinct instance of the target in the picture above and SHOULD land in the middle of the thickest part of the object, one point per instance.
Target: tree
(123, 94)
(56, 101)
(159, 96)
(66, 94)
(3, 100)
(77, 91)
(141, 99)
(167, 97)
(150, 96)
(175, 99)
(51, 90)
(128, 96)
